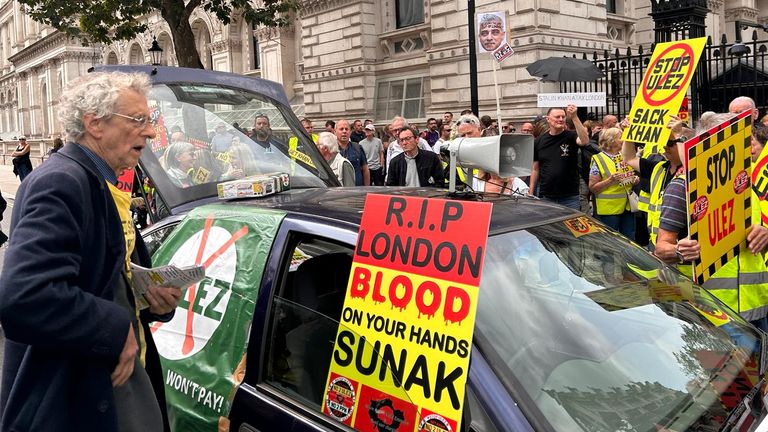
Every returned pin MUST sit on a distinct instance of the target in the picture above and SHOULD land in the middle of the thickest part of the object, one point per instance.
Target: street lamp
(155, 52)
(739, 49)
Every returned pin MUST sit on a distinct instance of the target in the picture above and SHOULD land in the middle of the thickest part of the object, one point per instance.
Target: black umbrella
(564, 69)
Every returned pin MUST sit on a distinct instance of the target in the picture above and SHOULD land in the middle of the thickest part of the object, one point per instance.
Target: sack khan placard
(661, 92)
(719, 162)
(401, 357)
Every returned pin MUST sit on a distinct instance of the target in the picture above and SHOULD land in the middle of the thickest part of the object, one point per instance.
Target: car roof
(345, 204)
(167, 74)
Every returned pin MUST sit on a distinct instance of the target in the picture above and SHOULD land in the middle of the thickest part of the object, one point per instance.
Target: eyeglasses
(140, 121)
(673, 141)
(408, 138)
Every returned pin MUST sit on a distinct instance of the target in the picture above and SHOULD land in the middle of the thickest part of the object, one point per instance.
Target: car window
(207, 134)
(154, 238)
(305, 318)
(597, 335)
(304, 322)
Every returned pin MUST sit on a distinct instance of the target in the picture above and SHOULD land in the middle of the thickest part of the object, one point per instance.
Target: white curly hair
(96, 93)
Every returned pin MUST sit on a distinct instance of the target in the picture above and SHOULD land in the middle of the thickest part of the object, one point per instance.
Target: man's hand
(124, 367)
(675, 124)
(689, 249)
(624, 123)
(162, 299)
(757, 239)
(570, 111)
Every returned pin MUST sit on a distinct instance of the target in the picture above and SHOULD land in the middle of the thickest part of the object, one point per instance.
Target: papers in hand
(168, 275)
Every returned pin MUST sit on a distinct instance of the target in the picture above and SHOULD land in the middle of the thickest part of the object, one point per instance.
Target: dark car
(577, 328)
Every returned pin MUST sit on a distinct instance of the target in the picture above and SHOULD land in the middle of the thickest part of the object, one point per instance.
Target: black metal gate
(720, 77)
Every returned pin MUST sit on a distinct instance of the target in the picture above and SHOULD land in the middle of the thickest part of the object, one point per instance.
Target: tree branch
(190, 7)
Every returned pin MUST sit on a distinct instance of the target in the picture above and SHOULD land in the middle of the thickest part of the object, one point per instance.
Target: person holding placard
(742, 283)
(658, 173)
(555, 158)
(611, 180)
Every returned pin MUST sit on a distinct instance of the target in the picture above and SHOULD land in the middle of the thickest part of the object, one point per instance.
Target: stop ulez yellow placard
(719, 210)
(661, 92)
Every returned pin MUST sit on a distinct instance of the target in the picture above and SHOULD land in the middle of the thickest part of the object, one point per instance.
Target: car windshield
(206, 134)
(600, 336)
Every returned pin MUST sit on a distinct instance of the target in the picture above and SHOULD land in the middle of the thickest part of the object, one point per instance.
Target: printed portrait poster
(719, 193)
(491, 31)
(401, 357)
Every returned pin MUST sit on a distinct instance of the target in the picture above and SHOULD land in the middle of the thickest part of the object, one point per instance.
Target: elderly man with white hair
(741, 104)
(328, 145)
(78, 353)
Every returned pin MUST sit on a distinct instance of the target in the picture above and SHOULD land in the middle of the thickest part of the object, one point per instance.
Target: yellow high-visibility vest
(742, 283)
(613, 199)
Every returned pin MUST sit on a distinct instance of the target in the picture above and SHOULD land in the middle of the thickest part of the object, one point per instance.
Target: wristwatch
(679, 254)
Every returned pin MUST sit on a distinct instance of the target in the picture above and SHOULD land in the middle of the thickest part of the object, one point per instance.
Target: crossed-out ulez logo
(202, 307)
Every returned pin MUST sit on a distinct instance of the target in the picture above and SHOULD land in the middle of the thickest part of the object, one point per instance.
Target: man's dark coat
(64, 333)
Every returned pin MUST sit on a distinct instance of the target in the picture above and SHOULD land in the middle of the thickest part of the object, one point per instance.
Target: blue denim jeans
(569, 201)
(623, 223)
(23, 171)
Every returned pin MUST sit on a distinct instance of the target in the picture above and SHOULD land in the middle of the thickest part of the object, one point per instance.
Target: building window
(409, 12)
(610, 6)
(402, 97)
(255, 63)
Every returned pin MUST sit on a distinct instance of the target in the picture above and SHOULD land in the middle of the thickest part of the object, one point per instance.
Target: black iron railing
(722, 75)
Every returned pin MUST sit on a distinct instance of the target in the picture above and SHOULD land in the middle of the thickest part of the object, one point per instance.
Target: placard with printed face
(491, 31)
(402, 349)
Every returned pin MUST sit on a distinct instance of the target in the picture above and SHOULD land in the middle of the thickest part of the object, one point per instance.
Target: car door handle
(245, 427)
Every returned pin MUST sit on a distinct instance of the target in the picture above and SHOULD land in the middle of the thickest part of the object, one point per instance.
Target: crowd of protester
(585, 166)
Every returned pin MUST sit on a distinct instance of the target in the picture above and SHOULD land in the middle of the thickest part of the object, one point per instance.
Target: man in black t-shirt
(555, 158)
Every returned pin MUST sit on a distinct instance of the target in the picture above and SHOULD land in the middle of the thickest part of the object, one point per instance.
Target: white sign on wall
(547, 100)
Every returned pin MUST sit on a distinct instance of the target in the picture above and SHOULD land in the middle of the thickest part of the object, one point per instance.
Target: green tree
(113, 20)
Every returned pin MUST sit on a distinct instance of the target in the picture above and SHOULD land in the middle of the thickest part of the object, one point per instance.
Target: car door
(294, 328)
(293, 337)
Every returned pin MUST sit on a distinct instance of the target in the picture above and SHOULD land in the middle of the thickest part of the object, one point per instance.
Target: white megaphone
(507, 155)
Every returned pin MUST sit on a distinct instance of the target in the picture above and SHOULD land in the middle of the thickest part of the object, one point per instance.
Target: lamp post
(155, 52)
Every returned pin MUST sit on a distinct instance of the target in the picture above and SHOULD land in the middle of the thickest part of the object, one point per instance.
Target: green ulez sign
(203, 347)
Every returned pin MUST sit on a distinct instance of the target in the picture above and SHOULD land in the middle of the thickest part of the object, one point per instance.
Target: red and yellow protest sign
(401, 357)
(125, 181)
(683, 114)
(760, 184)
(160, 142)
(718, 164)
(661, 92)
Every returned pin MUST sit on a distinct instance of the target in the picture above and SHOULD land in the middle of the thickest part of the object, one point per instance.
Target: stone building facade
(348, 58)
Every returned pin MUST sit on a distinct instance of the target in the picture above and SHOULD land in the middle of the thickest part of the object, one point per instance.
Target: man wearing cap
(374, 150)
(222, 139)
(22, 165)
